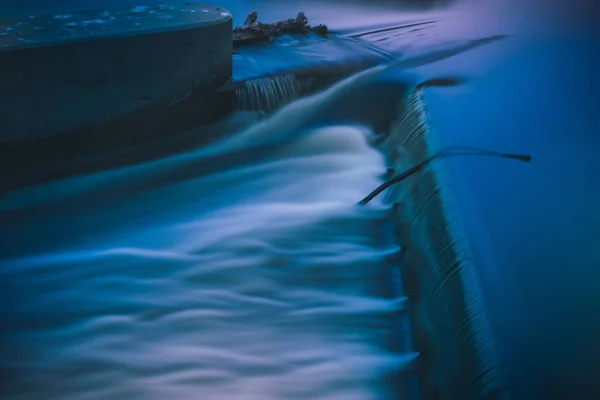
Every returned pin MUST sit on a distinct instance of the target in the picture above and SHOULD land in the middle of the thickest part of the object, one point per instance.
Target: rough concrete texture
(62, 72)
(449, 321)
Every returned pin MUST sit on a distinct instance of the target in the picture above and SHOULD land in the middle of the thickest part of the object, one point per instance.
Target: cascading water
(205, 276)
(269, 94)
(232, 262)
(240, 269)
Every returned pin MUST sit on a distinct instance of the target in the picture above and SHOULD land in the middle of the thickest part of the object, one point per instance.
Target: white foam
(258, 280)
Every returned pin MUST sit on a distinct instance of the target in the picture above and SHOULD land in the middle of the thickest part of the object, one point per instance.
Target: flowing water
(254, 278)
(240, 268)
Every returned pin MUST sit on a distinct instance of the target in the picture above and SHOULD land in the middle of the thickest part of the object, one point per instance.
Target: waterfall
(268, 94)
(450, 325)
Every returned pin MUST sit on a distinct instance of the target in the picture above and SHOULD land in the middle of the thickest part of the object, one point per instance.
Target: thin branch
(447, 152)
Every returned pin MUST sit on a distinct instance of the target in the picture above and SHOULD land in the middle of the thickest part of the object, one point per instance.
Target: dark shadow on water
(85, 150)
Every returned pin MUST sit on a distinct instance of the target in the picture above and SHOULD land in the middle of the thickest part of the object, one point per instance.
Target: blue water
(535, 229)
(254, 276)
(243, 270)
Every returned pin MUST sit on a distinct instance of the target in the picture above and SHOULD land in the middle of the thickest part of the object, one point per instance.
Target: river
(242, 268)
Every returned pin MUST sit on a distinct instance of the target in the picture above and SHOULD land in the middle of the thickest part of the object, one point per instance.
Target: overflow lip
(449, 322)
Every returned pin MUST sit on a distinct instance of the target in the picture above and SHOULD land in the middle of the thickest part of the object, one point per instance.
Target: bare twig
(448, 152)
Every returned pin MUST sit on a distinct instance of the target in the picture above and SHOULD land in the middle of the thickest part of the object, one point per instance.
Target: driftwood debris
(255, 31)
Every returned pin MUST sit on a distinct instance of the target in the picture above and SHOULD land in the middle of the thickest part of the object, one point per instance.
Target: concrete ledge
(81, 150)
(62, 73)
(449, 321)
(84, 150)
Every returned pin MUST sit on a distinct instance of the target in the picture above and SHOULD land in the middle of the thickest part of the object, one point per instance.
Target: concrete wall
(63, 85)
(449, 320)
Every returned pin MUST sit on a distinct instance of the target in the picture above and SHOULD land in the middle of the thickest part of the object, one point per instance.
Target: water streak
(254, 277)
